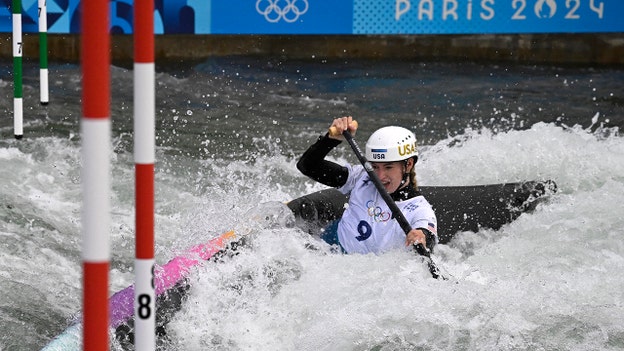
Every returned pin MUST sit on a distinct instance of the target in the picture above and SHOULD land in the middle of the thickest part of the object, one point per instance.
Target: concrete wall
(605, 49)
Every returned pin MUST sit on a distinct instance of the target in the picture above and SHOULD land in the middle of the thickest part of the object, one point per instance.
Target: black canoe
(458, 208)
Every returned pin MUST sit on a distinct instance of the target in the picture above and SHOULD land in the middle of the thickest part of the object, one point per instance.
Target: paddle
(396, 212)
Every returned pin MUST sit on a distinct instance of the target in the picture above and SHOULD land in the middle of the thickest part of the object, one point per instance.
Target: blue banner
(282, 17)
(63, 16)
(341, 16)
(487, 16)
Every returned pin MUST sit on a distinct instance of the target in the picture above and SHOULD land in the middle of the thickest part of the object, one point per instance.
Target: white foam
(552, 277)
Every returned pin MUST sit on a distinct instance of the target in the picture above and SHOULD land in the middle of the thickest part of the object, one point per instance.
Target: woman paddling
(366, 224)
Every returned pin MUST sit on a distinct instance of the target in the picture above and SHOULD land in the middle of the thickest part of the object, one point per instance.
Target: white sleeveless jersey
(367, 225)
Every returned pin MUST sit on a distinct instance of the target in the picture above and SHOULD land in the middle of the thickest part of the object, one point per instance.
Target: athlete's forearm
(313, 164)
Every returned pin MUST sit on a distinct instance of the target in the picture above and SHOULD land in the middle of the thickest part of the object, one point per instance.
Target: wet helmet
(389, 144)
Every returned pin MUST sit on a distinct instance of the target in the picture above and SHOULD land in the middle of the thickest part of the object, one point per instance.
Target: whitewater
(229, 133)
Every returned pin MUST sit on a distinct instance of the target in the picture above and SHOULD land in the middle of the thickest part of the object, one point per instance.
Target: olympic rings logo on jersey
(377, 213)
(273, 12)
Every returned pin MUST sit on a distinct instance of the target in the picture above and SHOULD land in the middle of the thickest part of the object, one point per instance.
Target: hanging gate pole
(144, 144)
(18, 104)
(96, 145)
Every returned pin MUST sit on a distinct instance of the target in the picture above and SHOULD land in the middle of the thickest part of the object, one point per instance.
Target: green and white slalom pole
(18, 105)
(43, 52)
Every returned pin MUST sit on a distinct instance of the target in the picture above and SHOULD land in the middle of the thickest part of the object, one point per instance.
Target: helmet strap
(405, 174)
(404, 180)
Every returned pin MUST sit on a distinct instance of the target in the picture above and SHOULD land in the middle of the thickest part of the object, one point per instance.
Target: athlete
(366, 225)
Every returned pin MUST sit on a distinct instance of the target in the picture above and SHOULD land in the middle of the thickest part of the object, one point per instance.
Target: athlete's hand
(415, 237)
(341, 124)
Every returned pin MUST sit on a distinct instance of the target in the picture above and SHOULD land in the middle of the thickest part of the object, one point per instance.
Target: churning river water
(229, 132)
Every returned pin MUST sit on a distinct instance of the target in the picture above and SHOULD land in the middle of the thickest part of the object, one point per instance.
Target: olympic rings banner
(341, 16)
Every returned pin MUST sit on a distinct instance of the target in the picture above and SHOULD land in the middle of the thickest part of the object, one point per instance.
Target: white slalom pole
(144, 156)
(43, 52)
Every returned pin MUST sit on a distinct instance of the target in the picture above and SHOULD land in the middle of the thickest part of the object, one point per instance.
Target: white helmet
(389, 144)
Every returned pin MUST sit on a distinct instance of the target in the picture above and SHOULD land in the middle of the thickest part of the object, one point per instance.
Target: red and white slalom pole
(96, 145)
(144, 157)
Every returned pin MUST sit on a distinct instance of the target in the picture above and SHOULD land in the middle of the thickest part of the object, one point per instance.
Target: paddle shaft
(396, 212)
